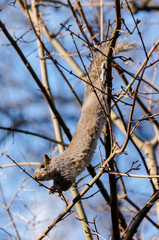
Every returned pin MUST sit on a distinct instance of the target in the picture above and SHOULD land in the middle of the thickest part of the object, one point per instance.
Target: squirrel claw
(53, 190)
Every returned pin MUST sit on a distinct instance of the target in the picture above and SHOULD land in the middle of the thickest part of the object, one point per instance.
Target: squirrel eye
(42, 166)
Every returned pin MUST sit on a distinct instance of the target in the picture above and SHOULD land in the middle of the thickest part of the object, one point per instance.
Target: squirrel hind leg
(103, 75)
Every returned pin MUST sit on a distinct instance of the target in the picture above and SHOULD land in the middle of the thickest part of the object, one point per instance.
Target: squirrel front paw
(53, 190)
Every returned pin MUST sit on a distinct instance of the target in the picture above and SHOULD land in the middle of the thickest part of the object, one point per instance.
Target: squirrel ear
(46, 159)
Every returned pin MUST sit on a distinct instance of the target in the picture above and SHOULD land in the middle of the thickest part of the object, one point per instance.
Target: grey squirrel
(64, 169)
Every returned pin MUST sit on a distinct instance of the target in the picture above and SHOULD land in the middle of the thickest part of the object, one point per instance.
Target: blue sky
(23, 105)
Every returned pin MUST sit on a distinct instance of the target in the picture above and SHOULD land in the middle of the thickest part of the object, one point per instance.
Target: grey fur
(64, 169)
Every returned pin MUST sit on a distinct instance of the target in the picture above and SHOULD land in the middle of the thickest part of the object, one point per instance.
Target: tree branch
(141, 214)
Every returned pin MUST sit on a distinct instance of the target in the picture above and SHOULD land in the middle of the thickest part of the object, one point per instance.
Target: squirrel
(64, 168)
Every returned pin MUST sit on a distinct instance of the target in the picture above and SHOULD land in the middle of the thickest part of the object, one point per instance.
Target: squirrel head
(42, 171)
(48, 170)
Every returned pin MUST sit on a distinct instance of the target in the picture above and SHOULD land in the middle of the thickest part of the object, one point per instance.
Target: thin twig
(77, 21)
(89, 29)
(9, 214)
(13, 129)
